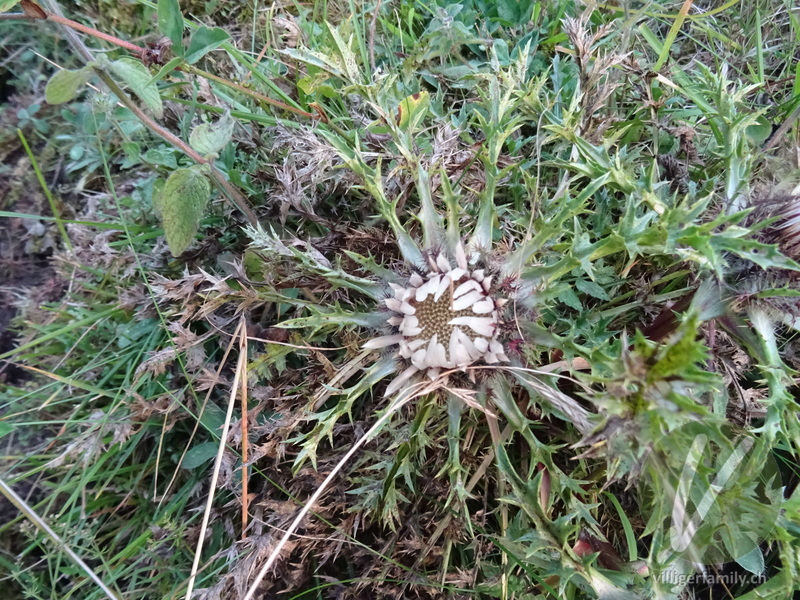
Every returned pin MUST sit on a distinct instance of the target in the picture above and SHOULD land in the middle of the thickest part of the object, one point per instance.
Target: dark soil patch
(6, 88)
(26, 244)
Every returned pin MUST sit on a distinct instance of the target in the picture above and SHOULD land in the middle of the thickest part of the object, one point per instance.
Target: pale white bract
(447, 319)
(789, 226)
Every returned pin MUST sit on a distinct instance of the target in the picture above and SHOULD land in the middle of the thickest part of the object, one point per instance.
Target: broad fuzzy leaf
(136, 76)
(211, 138)
(181, 204)
(64, 85)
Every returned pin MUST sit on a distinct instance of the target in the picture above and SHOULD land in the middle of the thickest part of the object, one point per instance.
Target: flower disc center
(434, 317)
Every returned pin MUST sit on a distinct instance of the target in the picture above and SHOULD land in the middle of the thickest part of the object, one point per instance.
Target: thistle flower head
(445, 319)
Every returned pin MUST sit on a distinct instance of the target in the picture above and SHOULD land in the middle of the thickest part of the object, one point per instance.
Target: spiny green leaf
(373, 267)
(765, 256)
(682, 358)
(136, 76)
(753, 561)
(592, 289)
(778, 293)
(64, 85)
(429, 216)
(211, 138)
(336, 318)
(568, 296)
(170, 23)
(204, 41)
(182, 203)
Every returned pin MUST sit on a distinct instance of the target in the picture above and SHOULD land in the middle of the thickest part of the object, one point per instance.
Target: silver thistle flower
(447, 319)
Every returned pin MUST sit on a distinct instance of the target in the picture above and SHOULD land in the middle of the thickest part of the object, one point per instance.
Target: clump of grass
(593, 170)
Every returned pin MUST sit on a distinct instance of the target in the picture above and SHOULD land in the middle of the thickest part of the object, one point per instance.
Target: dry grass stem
(241, 368)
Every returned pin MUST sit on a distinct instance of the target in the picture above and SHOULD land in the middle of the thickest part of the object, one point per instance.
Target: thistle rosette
(445, 319)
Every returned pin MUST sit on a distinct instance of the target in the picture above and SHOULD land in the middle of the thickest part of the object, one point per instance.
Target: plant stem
(95, 33)
(69, 23)
(241, 366)
(245, 430)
